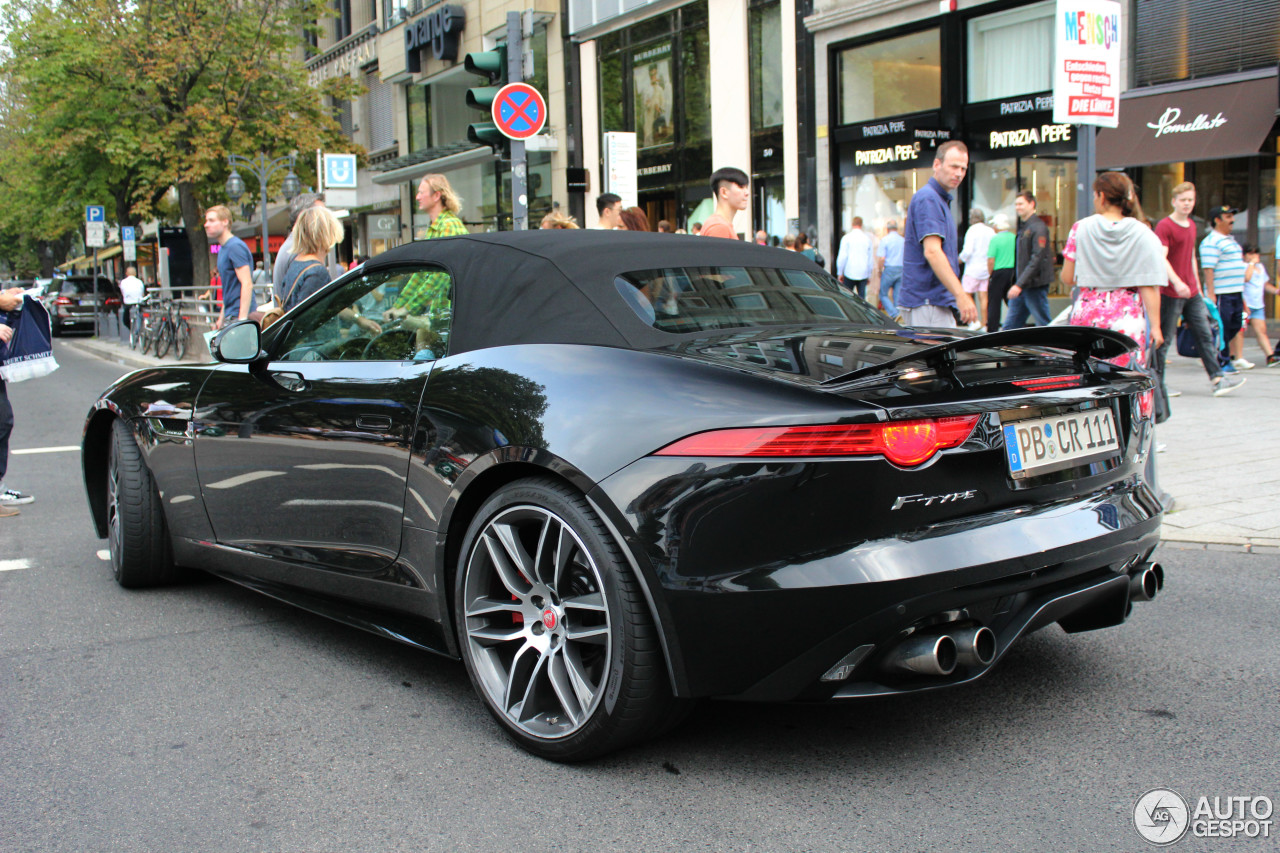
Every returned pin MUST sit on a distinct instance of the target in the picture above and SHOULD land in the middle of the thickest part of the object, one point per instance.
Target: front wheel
(180, 339)
(137, 537)
(554, 628)
(164, 339)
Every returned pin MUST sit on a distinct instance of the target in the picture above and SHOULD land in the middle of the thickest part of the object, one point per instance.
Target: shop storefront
(1220, 133)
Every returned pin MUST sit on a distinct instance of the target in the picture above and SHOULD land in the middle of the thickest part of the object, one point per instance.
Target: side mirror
(239, 343)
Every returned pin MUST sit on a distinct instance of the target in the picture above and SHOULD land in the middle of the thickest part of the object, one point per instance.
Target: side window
(389, 315)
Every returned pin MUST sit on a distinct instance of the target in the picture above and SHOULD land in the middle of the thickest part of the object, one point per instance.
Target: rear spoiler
(1084, 342)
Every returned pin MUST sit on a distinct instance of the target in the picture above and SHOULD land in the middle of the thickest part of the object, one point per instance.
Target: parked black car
(71, 301)
(615, 472)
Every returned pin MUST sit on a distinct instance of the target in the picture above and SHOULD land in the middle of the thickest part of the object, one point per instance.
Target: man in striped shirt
(1222, 262)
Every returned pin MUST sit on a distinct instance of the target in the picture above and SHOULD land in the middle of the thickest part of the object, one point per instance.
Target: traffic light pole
(519, 166)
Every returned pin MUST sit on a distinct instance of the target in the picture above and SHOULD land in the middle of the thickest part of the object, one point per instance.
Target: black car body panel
(347, 487)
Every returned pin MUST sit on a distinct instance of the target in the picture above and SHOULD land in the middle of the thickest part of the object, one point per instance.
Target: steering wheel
(394, 340)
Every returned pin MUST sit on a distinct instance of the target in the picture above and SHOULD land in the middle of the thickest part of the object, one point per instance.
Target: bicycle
(172, 331)
(146, 325)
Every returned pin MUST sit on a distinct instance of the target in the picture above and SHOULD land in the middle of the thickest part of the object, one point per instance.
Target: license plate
(1040, 445)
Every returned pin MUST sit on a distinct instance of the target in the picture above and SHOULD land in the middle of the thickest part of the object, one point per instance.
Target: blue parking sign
(126, 232)
(95, 213)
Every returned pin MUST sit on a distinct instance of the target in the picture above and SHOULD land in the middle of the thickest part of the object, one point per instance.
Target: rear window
(81, 286)
(695, 299)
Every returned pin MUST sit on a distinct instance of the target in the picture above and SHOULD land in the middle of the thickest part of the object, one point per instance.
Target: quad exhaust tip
(927, 654)
(975, 646)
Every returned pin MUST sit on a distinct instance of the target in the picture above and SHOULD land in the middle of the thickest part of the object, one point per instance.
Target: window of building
(764, 34)
(342, 112)
(379, 119)
(342, 19)
(418, 100)
(893, 77)
(1199, 38)
(1011, 53)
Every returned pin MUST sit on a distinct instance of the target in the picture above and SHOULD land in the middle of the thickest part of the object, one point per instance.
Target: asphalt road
(206, 717)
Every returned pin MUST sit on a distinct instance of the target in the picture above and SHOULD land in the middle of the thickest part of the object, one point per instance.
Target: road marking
(104, 554)
(28, 450)
(14, 565)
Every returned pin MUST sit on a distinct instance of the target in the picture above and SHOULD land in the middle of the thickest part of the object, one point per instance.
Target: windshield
(695, 299)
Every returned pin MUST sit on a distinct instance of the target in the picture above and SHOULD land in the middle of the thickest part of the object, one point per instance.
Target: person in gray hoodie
(1033, 267)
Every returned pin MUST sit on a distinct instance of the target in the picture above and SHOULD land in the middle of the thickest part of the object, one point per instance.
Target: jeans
(857, 285)
(1034, 300)
(997, 290)
(6, 427)
(1231, 307)
(1193, 313)
(889, 281)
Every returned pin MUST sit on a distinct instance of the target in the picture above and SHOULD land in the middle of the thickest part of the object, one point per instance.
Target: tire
(164, 340)
(137, 536)
(568, 662)
(180, 338)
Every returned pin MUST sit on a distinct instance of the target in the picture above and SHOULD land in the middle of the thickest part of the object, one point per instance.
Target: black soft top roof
(557, 286)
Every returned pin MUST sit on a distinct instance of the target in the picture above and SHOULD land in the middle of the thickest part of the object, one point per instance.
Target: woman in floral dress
(1115, 260)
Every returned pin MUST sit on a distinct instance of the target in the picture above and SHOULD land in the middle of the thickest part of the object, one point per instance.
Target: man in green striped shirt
(424, 303)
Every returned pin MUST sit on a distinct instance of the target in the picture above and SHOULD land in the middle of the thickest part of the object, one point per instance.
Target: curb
(118, 354)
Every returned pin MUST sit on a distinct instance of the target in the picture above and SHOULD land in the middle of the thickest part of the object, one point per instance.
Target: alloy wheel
(537, 622)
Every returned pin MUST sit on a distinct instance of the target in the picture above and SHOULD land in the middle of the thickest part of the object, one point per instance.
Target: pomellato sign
(1168, 123)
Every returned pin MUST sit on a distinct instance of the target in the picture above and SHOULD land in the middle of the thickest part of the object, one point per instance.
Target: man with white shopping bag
(26, 351)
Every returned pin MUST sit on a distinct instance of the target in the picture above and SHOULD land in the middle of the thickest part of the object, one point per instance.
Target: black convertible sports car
(616, 472)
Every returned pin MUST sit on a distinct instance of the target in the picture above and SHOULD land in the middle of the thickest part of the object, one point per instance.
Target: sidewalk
(1221, 463)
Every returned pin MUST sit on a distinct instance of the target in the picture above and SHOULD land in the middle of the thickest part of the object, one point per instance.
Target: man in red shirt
(731, 189)
(1181, 297)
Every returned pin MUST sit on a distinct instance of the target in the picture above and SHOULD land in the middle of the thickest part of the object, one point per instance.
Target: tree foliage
(118, 101)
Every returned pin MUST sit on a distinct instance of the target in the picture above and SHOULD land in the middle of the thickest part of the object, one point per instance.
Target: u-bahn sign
(519, 111)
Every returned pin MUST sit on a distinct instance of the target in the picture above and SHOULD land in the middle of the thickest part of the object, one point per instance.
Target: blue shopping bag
(29, 353)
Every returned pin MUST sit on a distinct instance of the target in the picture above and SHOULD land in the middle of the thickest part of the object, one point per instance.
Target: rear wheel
(554, 628)
(180, 339)
(164, 339)
(137, 537)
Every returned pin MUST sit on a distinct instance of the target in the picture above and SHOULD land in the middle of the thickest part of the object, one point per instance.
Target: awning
(1208, 122)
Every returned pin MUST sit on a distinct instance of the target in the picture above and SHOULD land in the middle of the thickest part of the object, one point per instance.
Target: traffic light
(491, 65)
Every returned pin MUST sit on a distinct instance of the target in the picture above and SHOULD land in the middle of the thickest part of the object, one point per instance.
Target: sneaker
(1273, 360)
(1226, 384)
(12, 497)
(6, 511)
(1174, 394)
(1229, 368)
(1243, 364)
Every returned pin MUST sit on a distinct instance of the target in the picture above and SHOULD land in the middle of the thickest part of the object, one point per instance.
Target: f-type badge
(931, 500)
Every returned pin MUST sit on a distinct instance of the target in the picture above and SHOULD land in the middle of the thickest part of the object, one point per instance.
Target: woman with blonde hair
(314, 234)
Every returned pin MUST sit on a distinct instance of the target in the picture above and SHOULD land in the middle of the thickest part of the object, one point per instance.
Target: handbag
(29, 354)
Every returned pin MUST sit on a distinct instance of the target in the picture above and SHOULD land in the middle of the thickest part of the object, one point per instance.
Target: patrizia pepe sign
(1169, 123)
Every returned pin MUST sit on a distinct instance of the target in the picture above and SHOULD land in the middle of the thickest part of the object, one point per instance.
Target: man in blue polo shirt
(1223, 267)
(931, 292)
(235, 267)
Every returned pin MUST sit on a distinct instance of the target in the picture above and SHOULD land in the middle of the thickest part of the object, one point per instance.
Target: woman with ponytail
(1116, 262)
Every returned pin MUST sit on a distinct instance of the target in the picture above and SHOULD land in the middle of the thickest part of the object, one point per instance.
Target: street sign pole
(519, 166)
(97, 302)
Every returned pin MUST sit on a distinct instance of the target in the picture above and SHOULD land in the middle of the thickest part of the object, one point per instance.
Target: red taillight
(1146, 404)
(112, 302)
(1049, 383)
(905, 443)
(63, 300)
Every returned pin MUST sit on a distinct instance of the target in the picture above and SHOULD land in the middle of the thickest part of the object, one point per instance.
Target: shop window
(652, 86)
(418, 99)
(892, 77)
(695, 63)
(765, 39)
(450, 114)
(1198, 38)
(1011, 53)
(613, 109)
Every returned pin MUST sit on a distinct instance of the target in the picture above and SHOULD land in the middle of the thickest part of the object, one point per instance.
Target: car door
(307, 457)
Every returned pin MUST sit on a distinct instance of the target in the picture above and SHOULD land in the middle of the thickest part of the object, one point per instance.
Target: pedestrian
(634, 219)
(1000, 266)
(425, 301)
(730, 188)
(973, 254)
(234, 264)
(762, 238)
(1223, 264)
(931, 293)
(1117, 264)
(285, 256)
(10, 499)
(889, 263)
(1181, 296)
(695, 229)
(853, 260)
(664, 227)
(558, 221)
(1256, 284)
(132, 292)
(314, 234)
(789, 243)
(1033, 267)
(259, 274)
(609, 207)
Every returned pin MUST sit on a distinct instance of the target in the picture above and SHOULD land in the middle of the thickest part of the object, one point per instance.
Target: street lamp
(262, 168)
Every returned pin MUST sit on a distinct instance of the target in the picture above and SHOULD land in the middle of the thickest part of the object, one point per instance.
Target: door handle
(289, 381)
(379, 423)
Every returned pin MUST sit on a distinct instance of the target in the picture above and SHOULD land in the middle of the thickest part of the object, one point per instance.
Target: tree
(132, 98)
